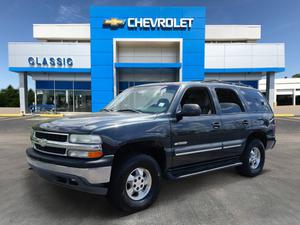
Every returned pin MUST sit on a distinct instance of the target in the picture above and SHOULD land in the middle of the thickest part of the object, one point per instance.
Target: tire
(137, 170)
(251, 166)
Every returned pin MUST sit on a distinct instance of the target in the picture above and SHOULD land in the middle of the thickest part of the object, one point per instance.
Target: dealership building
(81, 67)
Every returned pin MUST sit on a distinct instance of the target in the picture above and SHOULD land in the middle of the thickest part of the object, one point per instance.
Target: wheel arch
(260, 135)
(151, 148)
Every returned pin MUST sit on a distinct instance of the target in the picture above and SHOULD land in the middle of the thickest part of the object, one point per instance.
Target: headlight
(32, 133)
(85, 154)
(85, 139)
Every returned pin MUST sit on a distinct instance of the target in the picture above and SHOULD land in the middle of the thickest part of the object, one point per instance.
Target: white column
(294, 97)
(270, 88)
(23, 92)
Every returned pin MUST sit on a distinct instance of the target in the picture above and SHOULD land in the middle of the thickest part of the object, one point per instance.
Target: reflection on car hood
(89, 122)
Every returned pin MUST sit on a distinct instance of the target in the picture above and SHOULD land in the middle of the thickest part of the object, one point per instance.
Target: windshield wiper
(129, 110)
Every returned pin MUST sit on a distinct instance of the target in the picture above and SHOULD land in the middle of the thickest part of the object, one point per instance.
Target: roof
(203, 83)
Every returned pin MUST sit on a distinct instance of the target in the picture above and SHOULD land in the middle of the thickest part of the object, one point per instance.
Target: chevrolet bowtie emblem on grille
(43, 142)
(114, 22)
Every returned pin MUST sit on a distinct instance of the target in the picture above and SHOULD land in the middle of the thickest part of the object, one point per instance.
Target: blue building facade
(112, 24)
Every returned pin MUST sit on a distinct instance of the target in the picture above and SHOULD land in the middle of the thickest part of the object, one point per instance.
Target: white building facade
(81, 67)
(286, 91)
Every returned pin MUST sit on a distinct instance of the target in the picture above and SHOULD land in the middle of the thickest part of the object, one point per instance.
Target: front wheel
(253, 159)
(135, 183)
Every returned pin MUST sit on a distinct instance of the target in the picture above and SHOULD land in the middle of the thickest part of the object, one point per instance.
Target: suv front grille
(51, 136)
(48, 149)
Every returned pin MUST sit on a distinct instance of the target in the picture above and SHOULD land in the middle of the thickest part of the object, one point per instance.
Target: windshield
(144, 99)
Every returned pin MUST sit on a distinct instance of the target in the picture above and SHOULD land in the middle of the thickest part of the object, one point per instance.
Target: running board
(200, 169)
(210, 170)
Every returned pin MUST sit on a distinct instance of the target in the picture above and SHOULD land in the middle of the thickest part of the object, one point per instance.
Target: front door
(197, 138)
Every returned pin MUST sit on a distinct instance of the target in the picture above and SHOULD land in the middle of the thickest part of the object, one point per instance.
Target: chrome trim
(96, 175)
(67, 145)
(46, 132)
(232, 146)
(50, 153)
(233, 142)
(210, 170)
(193, 149)
(180, 143)
(199, 151)
(58, 144)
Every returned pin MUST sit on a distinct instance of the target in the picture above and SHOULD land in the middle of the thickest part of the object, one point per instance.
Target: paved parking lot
(221, 197)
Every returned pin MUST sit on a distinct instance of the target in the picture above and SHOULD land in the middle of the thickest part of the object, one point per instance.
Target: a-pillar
(270, 88)
(23, 93)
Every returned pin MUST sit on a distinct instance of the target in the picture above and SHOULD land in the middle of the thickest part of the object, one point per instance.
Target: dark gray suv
(171, 130)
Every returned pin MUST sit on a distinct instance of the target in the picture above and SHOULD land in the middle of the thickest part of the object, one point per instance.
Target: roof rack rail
(228, 82)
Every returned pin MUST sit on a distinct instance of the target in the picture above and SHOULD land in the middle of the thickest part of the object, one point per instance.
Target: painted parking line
(38, 118)
(10, 118)
(292, 119)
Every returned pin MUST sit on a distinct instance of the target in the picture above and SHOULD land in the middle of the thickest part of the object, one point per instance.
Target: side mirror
(189, 110)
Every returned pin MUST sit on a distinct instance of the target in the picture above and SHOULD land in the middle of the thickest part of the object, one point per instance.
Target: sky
(279, 19)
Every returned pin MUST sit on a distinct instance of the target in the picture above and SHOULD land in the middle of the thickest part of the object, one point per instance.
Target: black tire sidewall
(117, 190)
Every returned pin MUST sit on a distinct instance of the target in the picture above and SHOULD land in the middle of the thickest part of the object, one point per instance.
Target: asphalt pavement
(221, 197)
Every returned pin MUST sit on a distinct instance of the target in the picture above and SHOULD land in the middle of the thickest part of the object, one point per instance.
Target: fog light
(85, 154)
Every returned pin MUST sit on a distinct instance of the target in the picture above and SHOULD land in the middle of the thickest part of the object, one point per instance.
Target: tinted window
(255, 100)
(199, 96)
(229, 101)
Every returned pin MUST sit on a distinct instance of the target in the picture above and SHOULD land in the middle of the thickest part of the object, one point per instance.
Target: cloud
(145, 2)
(69, 14)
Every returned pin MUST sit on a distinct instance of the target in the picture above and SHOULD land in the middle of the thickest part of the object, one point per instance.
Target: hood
(89, 122)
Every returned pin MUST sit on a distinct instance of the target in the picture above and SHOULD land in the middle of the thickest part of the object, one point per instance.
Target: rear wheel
(135, 183)
(253, 159)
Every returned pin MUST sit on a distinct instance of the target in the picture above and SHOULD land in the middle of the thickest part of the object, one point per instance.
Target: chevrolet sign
(114, 22)
(160, 23)
(175, 23)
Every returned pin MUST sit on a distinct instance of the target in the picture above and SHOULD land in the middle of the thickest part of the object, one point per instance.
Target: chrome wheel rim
(254, 158)
(138, 184)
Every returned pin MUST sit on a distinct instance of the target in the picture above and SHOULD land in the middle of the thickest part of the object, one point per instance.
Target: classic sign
(50, 61)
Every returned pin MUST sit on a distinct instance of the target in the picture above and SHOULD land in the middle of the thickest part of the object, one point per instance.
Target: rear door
(235, 120)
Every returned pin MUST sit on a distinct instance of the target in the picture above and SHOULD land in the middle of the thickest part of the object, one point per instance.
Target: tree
(296, 75)
(9, 97)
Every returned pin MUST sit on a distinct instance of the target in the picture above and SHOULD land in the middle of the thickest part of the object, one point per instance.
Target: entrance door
(132, 77)
(64, 100)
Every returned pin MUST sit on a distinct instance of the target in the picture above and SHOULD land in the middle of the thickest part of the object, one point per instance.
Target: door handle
(216, 125)
(246, 122)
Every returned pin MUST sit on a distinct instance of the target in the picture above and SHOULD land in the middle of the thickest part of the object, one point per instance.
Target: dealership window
(284, 100)
(298, 100)
(63, 96)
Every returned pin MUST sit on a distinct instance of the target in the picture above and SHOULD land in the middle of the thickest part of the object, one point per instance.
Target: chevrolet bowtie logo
(114, 22)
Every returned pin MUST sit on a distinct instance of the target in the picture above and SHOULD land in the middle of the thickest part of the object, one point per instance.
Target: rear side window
(229, 101)
(255, 100)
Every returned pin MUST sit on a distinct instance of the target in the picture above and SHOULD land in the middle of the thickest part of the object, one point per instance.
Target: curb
(11, 115)
(284, 115)
(51, 115)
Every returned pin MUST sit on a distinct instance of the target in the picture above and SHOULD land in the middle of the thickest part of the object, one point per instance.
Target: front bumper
(92, 178)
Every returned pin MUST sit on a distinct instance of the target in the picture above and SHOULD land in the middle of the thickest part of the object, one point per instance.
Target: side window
(229, 101)
(255, 100)
(201, 97)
